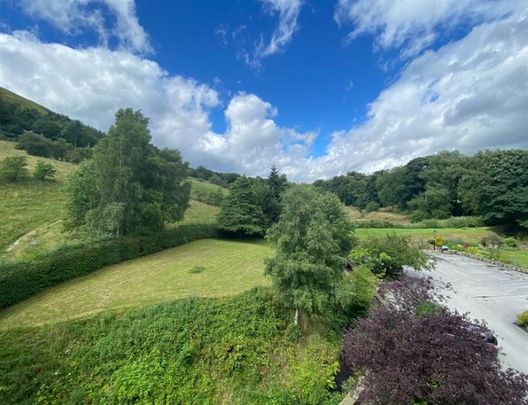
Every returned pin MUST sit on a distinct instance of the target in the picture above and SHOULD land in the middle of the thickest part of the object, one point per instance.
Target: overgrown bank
(230, 350)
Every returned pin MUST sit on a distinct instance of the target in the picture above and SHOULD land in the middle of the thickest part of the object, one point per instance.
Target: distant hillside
(19, 115)
(22, 101)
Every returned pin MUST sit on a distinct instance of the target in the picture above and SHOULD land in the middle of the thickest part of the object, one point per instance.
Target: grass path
(230, 267)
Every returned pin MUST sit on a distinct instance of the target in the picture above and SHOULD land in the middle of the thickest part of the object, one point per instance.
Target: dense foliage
(19, 280)
(491, 184)
(412, 351)
(50, 133)
(218, 178)
(192, 351)
(38, 145)
(254, 204)
(387, 256)
(128, 185)
(240, 212)
(313, 238)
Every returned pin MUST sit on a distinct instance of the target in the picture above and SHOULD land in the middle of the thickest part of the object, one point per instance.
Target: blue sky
(318, 88)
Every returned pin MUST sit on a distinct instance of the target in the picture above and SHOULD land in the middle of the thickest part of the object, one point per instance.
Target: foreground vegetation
(207, 351)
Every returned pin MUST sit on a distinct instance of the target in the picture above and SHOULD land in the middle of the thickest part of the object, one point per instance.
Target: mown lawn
(229, 268)
(469, 235)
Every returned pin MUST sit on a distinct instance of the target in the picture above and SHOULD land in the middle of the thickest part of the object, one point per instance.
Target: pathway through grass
(229, 268)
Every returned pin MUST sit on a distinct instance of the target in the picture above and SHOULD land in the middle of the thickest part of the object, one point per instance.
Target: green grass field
(469, 235)
(230, 267)
(380, 215)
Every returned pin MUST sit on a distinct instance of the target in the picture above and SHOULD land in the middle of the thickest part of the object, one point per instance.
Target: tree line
(45, 133)
(490, 184)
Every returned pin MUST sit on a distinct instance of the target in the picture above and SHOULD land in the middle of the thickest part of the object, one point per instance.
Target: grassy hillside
(30, 204)
(32, 210)
(227, 267)
(202, 351)
(24, 102)
(201, 186)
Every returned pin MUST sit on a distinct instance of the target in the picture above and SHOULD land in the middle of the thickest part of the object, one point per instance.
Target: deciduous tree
(128, 185)
(313, 238)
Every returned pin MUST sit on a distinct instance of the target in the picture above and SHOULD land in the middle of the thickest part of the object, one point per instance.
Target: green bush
(19, 280)
(387, 256)
(510, 241)
(13, 168)
(44, 170)
(522, 319)
(492, 241)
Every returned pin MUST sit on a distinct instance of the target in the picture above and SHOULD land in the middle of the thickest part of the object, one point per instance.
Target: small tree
(14, 168)
(240, 212)
(44, 170)
(312, 238)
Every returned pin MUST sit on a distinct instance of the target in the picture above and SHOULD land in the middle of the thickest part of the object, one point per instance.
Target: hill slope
(32, 210)
(22, 101)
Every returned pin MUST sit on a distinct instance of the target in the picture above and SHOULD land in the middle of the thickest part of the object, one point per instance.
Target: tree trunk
(296, 316)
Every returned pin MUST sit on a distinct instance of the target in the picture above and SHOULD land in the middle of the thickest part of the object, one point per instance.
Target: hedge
(22, 279)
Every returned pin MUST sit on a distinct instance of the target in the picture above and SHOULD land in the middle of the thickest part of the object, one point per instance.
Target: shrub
(522, 319)
(492, 241)
(355, 293)
(387, 256)
(44, 170)
(13, 168)
(510, 241)
(21, 279)
(413, 352)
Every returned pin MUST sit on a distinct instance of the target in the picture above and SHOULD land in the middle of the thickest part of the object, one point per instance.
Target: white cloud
(470, 94)
(415, 24)
(288, 11)
(69, 15)
(253, 141)
(288, 14)
(91, 84)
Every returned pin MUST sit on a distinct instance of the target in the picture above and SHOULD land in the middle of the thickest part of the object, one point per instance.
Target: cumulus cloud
(70, 15)
(91, 84)
(253, 141)
(470, 95)
(415, 24)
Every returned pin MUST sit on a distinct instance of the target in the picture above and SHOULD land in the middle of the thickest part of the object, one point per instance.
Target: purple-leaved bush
(412, 351)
